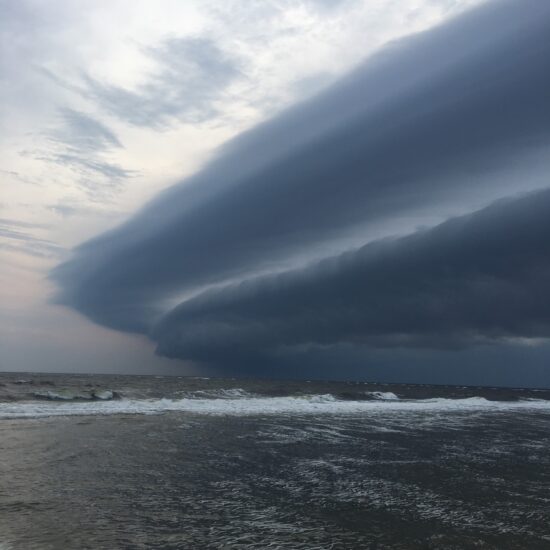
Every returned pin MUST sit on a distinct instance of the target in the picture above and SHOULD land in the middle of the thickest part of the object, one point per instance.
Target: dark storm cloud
(431, 120)
(506, 364)
(475, 279)
(193, 75)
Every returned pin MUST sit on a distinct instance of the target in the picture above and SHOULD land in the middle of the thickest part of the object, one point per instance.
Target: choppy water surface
(148, 462)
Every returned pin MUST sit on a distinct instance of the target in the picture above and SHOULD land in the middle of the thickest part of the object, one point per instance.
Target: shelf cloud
(260, 249)
(478, 278)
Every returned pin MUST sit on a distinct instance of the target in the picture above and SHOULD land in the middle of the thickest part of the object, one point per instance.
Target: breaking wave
(244, 404)
(229, 393)
(383, 395)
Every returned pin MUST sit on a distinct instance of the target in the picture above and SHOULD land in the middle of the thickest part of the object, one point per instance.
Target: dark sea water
(109, 462)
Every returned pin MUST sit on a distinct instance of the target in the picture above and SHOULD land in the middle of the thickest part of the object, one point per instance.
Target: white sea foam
(384, 395)
(229, 393)
(303, 405)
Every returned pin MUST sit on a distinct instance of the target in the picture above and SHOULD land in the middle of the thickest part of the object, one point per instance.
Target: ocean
(149, 462)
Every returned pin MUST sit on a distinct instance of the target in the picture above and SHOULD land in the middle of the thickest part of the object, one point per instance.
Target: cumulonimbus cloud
(476, 278)
(434, 122)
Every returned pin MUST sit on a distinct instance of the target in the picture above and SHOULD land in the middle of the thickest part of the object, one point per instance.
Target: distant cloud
(192, 76)
(82, 133)
(90, 166)
(20, 178)
(18, 236)
(82, 144)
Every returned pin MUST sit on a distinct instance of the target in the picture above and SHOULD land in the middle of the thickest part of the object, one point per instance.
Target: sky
(296, 188)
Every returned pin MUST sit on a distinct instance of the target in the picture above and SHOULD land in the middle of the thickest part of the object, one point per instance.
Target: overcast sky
(325, 171)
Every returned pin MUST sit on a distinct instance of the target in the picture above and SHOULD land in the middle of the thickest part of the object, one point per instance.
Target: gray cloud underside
(478, 278)
(431, 120)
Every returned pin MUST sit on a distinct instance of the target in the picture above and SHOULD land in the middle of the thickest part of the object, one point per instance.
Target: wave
(244, 406)
(383, 395)
(229, 393)
(65, 395)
